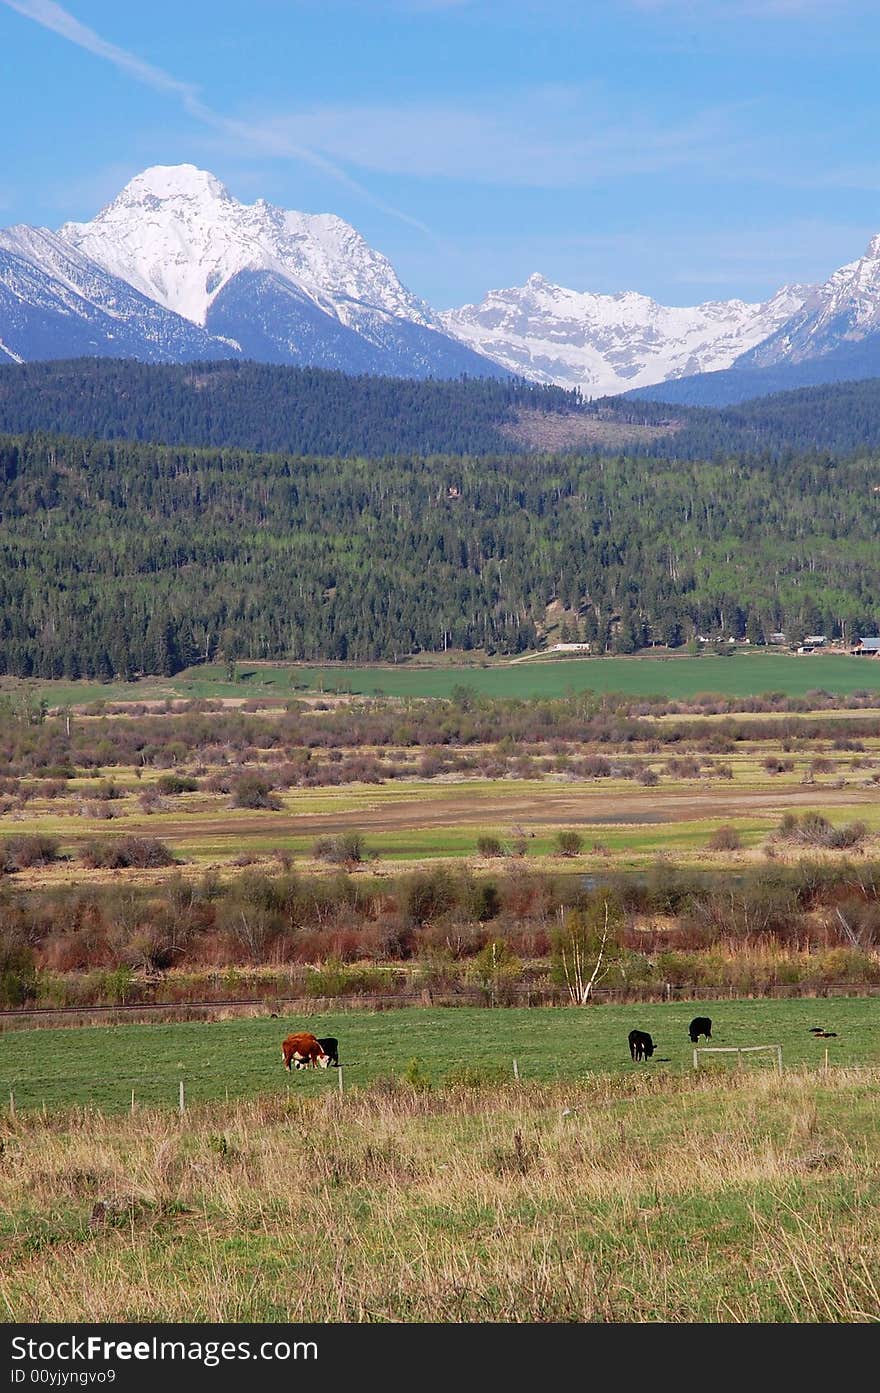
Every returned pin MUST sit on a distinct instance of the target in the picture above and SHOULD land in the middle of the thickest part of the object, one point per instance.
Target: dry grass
(612, 1200)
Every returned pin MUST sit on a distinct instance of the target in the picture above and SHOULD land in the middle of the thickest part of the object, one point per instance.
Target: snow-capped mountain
(286, 286)
(175, 268)
(613, 343)
(55, 302)
(844, 310)
(177, 234)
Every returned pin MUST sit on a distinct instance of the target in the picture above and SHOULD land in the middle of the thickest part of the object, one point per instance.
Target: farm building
(868, 646)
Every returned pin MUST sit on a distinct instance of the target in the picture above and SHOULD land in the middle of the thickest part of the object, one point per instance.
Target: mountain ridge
(176, 269)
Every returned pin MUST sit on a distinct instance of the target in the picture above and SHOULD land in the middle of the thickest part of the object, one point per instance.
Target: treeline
(118, 559)
(258, 406)
(811, 923)
(295, 745)
(839, 419)
(263, 407)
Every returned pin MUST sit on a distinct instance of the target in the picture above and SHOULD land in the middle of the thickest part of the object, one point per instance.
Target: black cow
(641, 1046)
(700, 1025)
(330, 1046)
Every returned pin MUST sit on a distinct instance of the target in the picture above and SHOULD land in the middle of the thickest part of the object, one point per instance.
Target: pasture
(99, 1067)
(650, 1197)
(671, 676)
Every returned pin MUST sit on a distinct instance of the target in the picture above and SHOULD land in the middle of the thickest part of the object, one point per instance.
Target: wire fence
(512, 995)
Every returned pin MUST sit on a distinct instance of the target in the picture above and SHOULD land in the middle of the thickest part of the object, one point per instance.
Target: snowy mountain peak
(612, 343)
(176, 234)
(873, 249)
(164, 181)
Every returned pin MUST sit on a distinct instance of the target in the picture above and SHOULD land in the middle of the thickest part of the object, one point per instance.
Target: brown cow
(304, 1049)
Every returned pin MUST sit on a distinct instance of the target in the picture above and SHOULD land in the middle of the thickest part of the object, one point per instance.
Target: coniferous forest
(122, 558)
(258, 406)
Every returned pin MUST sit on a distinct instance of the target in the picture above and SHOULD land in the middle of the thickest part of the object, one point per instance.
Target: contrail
(54, 17)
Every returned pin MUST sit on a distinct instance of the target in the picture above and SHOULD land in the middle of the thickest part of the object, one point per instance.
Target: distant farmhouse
(867, 647)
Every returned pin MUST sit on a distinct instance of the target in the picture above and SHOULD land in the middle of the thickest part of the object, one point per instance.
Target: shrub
(812, 829)
(18, 975)
(143, 853)
(335, 979)
(485, 901)
(568, 843)
(417, 1076)
(35, 850)
(725, 839)
(489, 846)
(345, 849)
(427, 895)
(176, 783)
(105, 790)
(495, 969)
(252, 791)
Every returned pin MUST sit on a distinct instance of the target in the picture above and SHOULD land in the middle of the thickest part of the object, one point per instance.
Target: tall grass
(704, 1199)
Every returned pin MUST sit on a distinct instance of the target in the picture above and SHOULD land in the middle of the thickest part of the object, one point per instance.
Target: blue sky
(689, 149)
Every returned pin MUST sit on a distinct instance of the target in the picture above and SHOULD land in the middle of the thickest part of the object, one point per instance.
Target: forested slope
(309, 411)
(257, 406)
(121, 558)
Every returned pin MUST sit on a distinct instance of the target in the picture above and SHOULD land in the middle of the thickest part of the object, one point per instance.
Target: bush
(36, 850)
(252, 791)
(18, 975)
(104, 791)
(812, 829)
(176, 783)
(568, 843)
(142, 853)
(725, 839)
(428, 895)
(335, 979)
(489, 846)
(345, 849)
(417, 1076)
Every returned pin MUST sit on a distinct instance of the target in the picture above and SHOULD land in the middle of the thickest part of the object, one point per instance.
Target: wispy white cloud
(550, 137)
(265, 140)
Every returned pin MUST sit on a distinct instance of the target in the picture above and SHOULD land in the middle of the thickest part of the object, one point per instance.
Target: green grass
(100, 1066)
(744, 674)
(673, 677)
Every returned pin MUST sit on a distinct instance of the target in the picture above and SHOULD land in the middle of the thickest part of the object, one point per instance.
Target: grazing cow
(641, 1046)
(304, 1049)
(700, 1025)
(330, 1045)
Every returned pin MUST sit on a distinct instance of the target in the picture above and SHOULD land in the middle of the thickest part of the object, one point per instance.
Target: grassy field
(673, 677)
(654, 1197)
(623, 824)
(100, 1066)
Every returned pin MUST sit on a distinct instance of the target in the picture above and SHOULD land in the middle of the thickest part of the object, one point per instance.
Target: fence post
(696, 1059)
(516, 1071)
(11, 1103)
(779, 1056)
(340, 1080)
(132, 1102)
(181, 1103)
